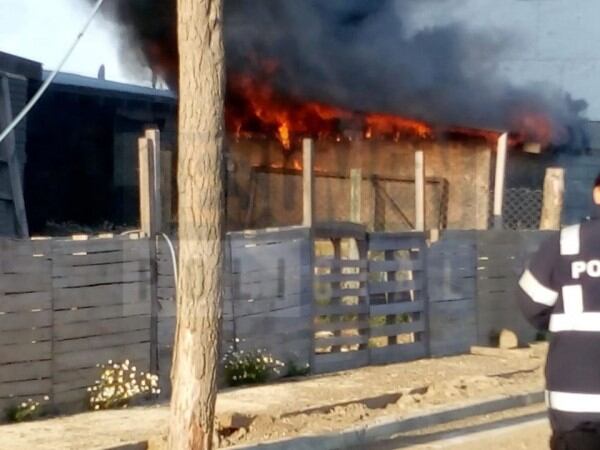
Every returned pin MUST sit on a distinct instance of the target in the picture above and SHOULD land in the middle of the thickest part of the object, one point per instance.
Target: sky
(555, 41)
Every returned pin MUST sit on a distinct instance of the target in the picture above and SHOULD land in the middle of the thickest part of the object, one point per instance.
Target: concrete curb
(387, 427)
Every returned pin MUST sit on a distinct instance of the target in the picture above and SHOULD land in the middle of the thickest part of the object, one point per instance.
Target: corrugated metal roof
(73, 80)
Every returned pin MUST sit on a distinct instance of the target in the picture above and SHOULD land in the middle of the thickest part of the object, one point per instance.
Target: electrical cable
(52, 76)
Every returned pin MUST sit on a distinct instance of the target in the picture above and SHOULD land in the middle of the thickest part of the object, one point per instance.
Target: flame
(255, 108)
(283, 133)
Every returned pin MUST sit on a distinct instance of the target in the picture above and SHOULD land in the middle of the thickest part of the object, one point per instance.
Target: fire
(283, 133)
(385, 124)
(255, 108)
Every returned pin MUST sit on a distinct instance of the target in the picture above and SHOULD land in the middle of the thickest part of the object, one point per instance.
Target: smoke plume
(360, 55)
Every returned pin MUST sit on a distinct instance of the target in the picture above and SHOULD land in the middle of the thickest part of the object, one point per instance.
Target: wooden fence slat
(93, 314)
(397, 308)
(398, 265)
(341, 309)
(25, 388)
(25, 302)
(20, 283)
(69, 361)
(101, 270)
(108, 326)
(398, 353)
(398, 329)
(348, 292)
(25, 336)
(105, 341)
(321, 342)
(25, 320)
(25, 371)
(25, 352)
(331, 263)
(341, 277)
(332, 362)
(384, 287)
(101, 278)
(16, 264)
(342, 325)
(110, 294)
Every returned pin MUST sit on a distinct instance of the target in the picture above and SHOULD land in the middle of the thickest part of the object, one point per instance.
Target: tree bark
(200, 185)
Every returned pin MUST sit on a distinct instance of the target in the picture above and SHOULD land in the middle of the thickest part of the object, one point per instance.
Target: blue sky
(557, 41)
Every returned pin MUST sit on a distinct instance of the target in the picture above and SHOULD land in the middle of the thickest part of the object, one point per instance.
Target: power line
(52, 76)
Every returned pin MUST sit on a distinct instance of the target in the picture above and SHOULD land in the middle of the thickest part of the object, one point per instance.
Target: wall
(260, 199)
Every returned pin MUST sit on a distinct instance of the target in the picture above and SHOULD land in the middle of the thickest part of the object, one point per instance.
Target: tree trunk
(201, 134)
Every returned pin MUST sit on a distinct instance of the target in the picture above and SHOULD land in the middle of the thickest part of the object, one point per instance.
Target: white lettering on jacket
(592, 268)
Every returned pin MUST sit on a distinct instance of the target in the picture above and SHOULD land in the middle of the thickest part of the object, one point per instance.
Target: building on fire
(78, 158)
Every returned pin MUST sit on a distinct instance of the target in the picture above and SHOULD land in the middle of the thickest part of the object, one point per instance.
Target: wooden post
(146, 189)
(554, 189)
(166, 189)
(355, 195)
(153, 136)
(149, 225)
(419, 190)
(308, 182)
(499, 180)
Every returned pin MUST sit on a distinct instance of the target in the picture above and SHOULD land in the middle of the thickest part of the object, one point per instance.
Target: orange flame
(255, 108)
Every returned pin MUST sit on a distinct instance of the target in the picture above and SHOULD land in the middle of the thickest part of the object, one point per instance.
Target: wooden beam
(145, 186)
(9, 155)
(153, 136)
(355, 195)
(308, 182)
(166, 189)
(500, 178)
(554, 190)
(419, 190)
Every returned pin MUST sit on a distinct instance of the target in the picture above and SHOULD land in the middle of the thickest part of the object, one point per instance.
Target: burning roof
(306, 67)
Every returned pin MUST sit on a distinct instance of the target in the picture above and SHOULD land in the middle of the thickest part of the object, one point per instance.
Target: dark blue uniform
(560, 293)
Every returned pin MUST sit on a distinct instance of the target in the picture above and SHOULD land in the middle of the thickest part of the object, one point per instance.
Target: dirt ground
(304, 406)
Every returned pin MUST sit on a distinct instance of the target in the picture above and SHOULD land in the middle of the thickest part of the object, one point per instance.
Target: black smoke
(360, 54)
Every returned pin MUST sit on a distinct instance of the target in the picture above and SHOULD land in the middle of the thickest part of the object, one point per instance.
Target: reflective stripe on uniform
(536, 290)
(573, 402)
(575, 322)
(570, 240)
(573, 318)
(573, 299)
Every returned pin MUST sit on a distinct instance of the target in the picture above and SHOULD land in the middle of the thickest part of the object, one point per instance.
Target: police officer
(560, 293)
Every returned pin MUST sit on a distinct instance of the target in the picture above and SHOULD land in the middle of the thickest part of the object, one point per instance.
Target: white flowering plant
(26, 410)
(119, 383)
(249, 367)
